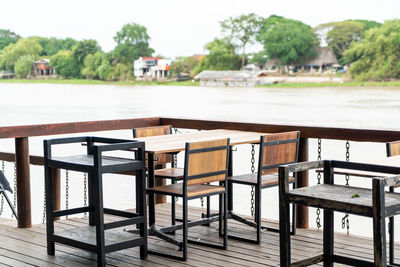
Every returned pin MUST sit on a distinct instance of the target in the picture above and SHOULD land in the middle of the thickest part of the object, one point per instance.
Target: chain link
(15, 188)
(253, 152)
(318, 212)
(66, 190)
(44, 206)
(202, 202)
(85, 192)
(345, 219)
(2, 196)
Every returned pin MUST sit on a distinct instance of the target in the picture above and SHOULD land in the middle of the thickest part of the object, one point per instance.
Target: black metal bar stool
(98, 237)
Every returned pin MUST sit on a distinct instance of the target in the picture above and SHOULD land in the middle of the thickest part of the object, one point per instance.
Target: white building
(151, 67)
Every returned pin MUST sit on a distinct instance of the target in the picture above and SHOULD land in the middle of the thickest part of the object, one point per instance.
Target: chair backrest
(393, 148)
(206, 162)
(152, 131)
(277, 149)
(155, 131)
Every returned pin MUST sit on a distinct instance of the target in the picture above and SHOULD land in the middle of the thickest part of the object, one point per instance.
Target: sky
(176, 27)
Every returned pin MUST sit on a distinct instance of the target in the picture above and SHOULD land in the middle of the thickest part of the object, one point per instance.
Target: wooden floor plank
(27, 247)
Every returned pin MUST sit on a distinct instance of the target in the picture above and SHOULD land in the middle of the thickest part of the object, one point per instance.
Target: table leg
(328, 238)
(150, 180)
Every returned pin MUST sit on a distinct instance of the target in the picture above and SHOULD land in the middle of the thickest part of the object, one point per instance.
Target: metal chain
(318, 212)
(66, 190)
(202, 202)
(345, 219)
(85, 192)
(252, 171)
(44, 206)
(2, 196)
(15, 188)
(177, 131)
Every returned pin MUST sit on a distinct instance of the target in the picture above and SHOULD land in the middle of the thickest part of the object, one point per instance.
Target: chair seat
(251, 179)
(193, 190)
(169, 173)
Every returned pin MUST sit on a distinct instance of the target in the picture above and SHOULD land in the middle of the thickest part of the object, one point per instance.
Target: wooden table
(175, 143)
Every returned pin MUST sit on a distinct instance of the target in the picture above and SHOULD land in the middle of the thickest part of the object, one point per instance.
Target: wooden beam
(23, 182)
(361, 135)
(75, 127)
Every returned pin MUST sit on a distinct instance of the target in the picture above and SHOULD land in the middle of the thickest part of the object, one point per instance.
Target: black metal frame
(95, 208)
(258, 189)
(5, 186)
(378, 212)
(221, 217)
(391, 219)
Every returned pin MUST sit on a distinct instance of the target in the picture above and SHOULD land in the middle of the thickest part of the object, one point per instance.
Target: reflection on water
(375, 108)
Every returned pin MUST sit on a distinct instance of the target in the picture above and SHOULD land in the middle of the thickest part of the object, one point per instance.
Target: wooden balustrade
(23, 159)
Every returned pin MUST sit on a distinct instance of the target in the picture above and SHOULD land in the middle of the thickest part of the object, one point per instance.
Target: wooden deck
(27, 247)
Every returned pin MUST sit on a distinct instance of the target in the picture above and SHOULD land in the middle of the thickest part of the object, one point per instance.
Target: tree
(51, 46)
(342, 35)
(377, 57)
(65, 65)
(221, 56)
(91, 65)
(290, 41)
(242, 29)
(7, 37)
(105, 71)
(24, 47)
(23, 66)
(184, 65)
(83, 48)
(132, 42)
(368, 24)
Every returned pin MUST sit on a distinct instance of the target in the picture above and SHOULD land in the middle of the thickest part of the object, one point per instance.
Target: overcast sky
(176, 27)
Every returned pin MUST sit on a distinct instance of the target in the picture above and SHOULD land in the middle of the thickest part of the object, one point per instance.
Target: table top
(393, 161)
(176, 142)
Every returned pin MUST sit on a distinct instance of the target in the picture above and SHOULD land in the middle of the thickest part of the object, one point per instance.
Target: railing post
(302, 181)
(23, 182)
(56, 189)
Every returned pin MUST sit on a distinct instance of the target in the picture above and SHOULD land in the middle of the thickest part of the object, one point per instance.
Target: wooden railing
(23, 159)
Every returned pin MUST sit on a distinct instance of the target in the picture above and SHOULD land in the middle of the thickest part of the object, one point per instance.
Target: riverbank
(197, 83)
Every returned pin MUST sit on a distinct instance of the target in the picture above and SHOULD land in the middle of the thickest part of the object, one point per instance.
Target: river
(374, 108)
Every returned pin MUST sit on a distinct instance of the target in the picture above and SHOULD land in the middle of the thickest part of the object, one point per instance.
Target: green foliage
(51, 46)
(24, 47)
(23, 66)
(290, 41)
(121, 72)
(368, 24)
(65, 65)
(7, 37)
(221, 56)
(184, 65)
(84, 48)
(132, 42)
(242, 29)
(377, 57)
(92, 63)
(342, 35)
(105, 71)
(258, 58)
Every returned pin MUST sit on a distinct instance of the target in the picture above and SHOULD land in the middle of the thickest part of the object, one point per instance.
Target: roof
(325, 56)
(227, 75)
(149, 58)
(42, 61)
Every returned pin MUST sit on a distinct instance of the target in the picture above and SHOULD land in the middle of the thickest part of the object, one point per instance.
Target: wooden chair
(392, 149)
(173, 174)
(205, 162)
(275, 150)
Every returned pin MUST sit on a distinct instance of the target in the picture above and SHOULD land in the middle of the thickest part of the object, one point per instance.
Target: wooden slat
(193, 190)
(176, 142)
(152, 131)
(394, 148)
(176, 173)
(207, 162)
(251, 179)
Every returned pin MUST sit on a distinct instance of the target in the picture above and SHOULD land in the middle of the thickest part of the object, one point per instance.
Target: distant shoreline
(394, 84)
